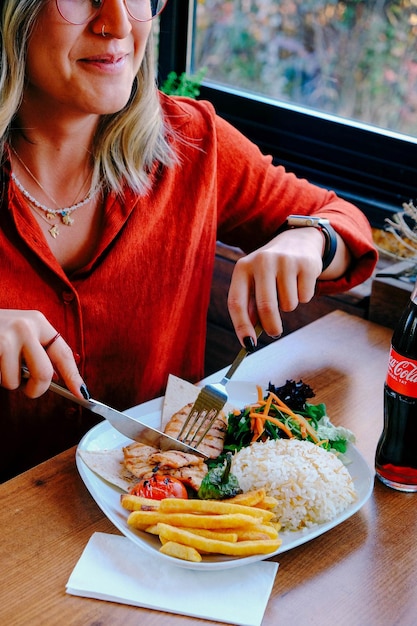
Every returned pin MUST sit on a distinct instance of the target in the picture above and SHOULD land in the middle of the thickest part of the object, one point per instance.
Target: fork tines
(202, 416)
(209, 403)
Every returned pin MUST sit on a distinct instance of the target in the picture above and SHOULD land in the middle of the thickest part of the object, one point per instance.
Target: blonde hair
(127, 145)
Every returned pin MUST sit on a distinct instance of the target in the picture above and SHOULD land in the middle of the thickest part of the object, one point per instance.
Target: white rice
(311, 485)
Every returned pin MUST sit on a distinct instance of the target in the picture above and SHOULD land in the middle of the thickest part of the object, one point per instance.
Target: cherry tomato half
(159, 487)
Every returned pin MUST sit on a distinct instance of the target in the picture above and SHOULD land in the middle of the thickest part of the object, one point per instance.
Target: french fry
(268, 503)
(256, 498)
(241, 526)
(223, 535)
(220, 507)
(142, 519)
(138, 503)
(254, 535)
(179, 551)
(152, 530)
(240, 548)
(250, 498)
(265, 531)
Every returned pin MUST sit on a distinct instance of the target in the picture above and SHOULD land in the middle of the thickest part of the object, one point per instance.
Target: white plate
(105, 437)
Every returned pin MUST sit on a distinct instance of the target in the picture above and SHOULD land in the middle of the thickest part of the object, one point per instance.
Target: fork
(408, 274)
(209, 403)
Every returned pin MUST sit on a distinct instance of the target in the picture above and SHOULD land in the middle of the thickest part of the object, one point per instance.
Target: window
(353, 59)
(328, 87)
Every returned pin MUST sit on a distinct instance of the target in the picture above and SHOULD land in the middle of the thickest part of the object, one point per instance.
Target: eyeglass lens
(82, 11)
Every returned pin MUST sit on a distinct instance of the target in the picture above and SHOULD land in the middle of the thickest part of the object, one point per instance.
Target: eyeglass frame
(97, 11)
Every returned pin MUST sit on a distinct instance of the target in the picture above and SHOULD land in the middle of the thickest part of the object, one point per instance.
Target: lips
(111, 60)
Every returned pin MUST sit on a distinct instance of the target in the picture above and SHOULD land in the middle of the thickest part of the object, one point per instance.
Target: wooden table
(361, 573)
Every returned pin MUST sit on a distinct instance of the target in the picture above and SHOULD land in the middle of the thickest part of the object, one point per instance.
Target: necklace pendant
(49, 216)
(54, 231)
(67, 219)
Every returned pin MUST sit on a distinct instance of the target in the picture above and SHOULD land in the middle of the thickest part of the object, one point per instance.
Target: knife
(124, 423)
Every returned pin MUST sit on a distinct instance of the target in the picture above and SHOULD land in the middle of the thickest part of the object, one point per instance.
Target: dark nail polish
(249, 344)
(85, 391)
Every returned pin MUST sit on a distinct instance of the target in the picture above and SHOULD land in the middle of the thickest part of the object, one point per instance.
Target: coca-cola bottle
(396, 453)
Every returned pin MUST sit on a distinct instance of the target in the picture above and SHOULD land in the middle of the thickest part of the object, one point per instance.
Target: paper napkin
(113, 568)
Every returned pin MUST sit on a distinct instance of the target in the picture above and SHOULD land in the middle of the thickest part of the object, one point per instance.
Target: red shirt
(137, 311)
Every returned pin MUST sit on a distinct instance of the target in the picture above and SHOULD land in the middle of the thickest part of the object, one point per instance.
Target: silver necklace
(50, 214)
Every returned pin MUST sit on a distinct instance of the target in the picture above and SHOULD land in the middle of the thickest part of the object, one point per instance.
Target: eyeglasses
(83, 11)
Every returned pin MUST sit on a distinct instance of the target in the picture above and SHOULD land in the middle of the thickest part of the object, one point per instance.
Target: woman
(113, 197)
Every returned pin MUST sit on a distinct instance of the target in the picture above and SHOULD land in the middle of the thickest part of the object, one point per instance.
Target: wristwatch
(301, 221)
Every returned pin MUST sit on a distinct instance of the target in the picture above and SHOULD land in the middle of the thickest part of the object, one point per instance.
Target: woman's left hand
(277, 277)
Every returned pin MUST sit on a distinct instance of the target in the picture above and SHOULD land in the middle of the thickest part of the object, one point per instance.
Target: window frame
(372, 168)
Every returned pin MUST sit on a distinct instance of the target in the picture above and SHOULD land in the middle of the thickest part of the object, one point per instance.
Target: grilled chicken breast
(212, 444)
(174, 459)
(143, 461)
(137, 459)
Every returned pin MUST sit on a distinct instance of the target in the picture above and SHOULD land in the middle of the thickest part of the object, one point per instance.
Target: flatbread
(178, 394)
(108, 464)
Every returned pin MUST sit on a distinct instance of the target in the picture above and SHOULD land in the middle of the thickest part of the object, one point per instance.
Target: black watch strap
(330, 247)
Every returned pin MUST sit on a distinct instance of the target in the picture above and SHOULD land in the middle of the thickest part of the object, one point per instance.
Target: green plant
(183, 84)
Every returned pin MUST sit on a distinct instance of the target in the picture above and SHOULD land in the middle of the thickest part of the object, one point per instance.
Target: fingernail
(85, 391)
(249, 344)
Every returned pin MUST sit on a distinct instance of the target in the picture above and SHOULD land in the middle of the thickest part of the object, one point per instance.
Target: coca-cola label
(402, 374)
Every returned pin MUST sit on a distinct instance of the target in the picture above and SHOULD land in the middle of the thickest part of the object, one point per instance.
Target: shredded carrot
(256, 426)
(259, 425)
(278, 400)
(285, 409)
(267, 406)
(301, 420)
(260, 393)
(305, 426)
(275, 421)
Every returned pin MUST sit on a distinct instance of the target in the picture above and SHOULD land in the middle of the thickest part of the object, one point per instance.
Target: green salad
(285, 413)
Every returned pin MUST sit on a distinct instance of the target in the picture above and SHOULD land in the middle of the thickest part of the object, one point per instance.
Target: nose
(112, 20)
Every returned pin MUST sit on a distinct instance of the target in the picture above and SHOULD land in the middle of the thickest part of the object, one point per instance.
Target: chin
(109, 100)
(111, 110)
(107, 107)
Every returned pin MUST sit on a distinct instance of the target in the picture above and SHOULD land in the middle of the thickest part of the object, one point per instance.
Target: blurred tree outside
(353, 59)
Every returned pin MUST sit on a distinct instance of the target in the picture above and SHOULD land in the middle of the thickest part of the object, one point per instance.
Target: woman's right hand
(24, 339)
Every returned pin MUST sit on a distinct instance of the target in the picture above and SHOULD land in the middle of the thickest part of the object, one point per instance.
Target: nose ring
(103, 30)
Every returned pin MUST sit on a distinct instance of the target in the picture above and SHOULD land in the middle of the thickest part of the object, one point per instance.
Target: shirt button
(71, 412)
(68, 296)
(77, 357)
